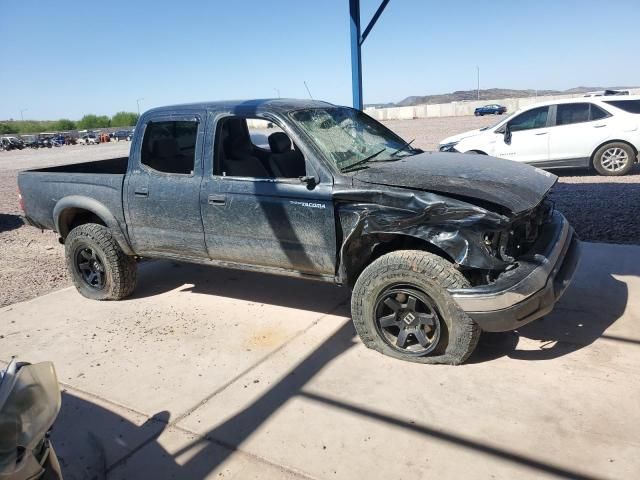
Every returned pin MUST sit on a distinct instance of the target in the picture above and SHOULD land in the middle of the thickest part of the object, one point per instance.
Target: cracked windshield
(351, 139)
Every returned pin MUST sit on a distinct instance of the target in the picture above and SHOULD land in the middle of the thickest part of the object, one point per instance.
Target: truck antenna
(309, 92)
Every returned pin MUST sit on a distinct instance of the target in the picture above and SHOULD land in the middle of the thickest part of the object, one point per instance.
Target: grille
(524, 232)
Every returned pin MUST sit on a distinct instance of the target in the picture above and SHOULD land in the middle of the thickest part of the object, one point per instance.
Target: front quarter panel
(368, 219)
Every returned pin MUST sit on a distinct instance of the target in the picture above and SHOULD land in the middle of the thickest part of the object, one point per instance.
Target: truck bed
(42, 188)
(111, 166)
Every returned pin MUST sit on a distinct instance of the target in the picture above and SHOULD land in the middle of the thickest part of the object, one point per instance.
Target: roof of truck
(280, 105)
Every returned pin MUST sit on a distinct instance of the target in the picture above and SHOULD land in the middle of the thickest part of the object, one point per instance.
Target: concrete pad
(183, 335)
(181, 455)
(288, 389)
(96, 439)
(554, 399)
(90, 434)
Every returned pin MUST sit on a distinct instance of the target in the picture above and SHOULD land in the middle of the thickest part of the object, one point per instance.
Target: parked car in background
(606, 93)
(30, 141)
(493, 109)
(11, 143)
(88, 139)
(122, 135)
(596, 132)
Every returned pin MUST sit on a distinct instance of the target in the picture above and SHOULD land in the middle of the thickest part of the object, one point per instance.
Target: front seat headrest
(279, 142)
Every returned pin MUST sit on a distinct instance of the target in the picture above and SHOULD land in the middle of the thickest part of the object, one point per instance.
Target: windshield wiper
(407, 144)
(360, 162)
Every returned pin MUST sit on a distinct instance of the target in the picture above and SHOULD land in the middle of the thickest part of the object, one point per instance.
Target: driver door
(269, 221)
(529, 142)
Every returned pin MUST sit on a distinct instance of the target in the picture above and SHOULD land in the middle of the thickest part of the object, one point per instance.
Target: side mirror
(309, 180)
(507, 134)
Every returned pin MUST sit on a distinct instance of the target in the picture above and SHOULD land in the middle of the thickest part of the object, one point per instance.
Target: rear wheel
(614, 159)
(401, 308)
(99, 268)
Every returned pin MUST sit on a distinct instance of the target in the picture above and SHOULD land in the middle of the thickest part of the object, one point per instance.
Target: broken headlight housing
(515, 241)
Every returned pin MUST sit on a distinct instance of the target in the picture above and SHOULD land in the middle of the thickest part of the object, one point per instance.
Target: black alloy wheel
(90, 267)
(407, 320)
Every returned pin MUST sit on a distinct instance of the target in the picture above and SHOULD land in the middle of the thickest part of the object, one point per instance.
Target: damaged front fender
(369, 219)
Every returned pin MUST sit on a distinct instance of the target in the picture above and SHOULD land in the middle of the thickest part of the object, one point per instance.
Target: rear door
(578, 128)
(268, 221)
(529, 140)
(163, 188)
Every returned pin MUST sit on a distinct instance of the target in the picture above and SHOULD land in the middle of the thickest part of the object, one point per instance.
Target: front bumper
(530, 290)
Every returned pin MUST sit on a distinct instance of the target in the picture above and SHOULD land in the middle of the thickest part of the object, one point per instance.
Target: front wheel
(614, 159)
(99, 268)
(401, 307)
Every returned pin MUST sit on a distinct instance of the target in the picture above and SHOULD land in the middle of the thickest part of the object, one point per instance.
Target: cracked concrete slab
(288, 391)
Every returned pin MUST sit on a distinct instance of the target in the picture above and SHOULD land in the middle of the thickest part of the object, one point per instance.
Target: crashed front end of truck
(518, 265)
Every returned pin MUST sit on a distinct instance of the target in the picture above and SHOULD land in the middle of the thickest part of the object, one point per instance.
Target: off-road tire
(430, 274)
(120, 270)
(598, 158)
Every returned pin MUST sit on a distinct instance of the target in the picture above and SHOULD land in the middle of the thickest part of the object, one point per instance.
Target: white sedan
(599, 132)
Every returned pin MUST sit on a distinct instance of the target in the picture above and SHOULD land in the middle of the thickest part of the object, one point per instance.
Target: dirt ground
(32, 262)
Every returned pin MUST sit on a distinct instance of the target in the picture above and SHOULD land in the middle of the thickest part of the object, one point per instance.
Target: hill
(486, 94)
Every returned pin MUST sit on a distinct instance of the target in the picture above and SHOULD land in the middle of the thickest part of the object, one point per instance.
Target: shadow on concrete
(87, 436)
(9, 222)
(594, 302)
(87, 432)
(158, 277)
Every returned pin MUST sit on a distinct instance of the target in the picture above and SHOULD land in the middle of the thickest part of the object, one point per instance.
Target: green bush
(94, 121)
(6, 128)
(124, 119)
(64, 124)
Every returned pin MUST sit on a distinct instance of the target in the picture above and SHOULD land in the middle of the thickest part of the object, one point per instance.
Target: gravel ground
(32, 262)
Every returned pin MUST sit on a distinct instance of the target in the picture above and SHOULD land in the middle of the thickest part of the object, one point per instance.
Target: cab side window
(597, 113)
(568, 113)
(255, 148)
(170, 147)
(534, 118)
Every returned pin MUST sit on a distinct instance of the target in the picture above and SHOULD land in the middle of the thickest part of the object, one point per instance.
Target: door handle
(600, 126)
(542, 133)
(141, 192)
(217, 199)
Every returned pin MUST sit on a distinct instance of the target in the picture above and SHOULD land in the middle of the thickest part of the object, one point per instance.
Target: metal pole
(478, 78)
(138, 103)
(356, 54)
(22, 113)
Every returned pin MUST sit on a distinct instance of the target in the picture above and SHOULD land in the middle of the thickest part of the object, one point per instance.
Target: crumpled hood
(514, 186)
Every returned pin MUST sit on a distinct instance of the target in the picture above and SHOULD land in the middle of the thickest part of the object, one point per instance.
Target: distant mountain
(487, 94)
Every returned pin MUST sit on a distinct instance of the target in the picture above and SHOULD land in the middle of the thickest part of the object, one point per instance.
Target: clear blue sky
(98, 57)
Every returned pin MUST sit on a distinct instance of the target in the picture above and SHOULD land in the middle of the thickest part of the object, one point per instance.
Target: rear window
(631, 106)
(170, 147)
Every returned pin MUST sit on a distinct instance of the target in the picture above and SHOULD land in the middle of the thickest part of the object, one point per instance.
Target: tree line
(89, 121)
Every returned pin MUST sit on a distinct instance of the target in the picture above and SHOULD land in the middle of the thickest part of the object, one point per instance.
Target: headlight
(448, 147)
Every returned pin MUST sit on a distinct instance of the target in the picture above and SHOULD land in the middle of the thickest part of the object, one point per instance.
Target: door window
(534, 118)
(568, 113)
(597, 113)
(255, 148)
(630, 106)
(170, 147)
